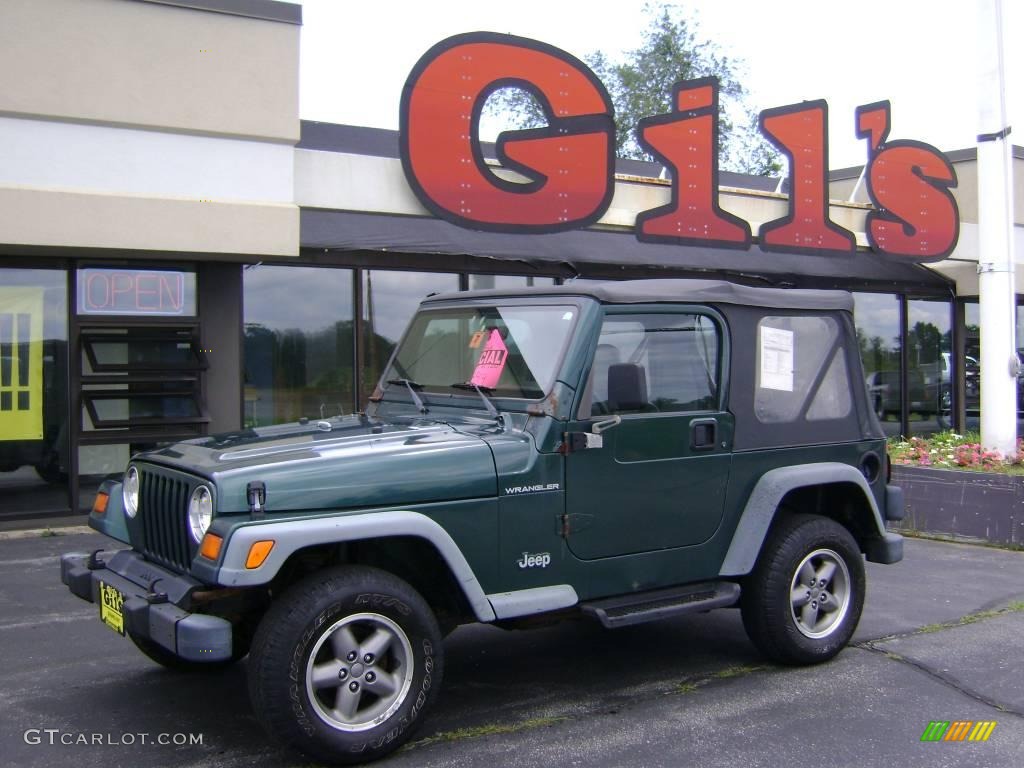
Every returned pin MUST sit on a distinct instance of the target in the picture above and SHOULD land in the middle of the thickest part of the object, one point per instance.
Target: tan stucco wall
(146, 64)
(28, 217)
(342, 181)
(194, 81)
(965, 192)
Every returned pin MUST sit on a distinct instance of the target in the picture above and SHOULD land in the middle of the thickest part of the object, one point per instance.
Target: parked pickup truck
(624, 451)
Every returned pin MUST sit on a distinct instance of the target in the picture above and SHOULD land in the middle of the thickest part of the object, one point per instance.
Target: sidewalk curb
(46, 532)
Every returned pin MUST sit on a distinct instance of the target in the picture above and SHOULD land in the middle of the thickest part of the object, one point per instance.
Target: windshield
(509, 351)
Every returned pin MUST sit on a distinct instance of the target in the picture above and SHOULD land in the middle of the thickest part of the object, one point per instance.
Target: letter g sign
(569, 165)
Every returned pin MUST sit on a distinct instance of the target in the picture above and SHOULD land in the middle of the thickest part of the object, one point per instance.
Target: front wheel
(802, 602)
(344, 664)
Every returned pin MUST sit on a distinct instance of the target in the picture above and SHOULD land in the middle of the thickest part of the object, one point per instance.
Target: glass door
(34, 463)
(139, 367)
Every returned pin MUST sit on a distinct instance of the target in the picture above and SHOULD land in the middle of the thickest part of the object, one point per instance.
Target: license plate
(112, 607)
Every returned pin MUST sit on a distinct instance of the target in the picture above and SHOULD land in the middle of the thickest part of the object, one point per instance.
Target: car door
(655, 390)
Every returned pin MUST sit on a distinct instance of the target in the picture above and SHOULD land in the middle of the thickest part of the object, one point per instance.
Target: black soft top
(674, 290)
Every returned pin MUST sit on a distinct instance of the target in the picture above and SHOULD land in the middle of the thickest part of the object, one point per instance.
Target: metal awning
(581, 251)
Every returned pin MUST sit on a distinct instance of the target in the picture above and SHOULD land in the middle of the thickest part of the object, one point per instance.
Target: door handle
(703, 434)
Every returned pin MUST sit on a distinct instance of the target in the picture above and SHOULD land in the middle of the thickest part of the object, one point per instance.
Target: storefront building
(180, 255)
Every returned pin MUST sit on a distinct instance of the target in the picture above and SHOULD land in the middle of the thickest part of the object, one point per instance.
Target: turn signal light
(99, 506)
(258, 553)
(210, 548)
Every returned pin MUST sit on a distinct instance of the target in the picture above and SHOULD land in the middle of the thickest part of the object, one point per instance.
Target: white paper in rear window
(776, 359)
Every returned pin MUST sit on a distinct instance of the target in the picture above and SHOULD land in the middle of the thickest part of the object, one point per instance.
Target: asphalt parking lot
(940, 640)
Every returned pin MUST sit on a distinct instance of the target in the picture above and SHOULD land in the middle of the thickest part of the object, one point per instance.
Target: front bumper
(151, 605)
(886, 550)
(894, 503)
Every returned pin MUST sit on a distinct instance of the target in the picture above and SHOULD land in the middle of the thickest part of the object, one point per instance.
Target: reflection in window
(33, 391)
(298, 343)
(877, 317)
(655, 363)
(972, 354)
(510, 351)
(140, 407)
(389, 300)
(170, 349)
(929, 387)
(482, 282)
(972, 366)
(145, 381)
(1020, 375)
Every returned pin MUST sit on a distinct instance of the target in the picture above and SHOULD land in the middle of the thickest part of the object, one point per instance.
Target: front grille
(163, 512)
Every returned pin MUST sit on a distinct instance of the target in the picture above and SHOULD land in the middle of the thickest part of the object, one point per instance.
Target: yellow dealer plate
(112, 607)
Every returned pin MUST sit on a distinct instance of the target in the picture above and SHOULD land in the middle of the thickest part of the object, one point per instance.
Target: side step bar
(662, 603)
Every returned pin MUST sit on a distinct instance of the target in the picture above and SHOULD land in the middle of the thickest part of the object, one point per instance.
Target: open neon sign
(135, 292)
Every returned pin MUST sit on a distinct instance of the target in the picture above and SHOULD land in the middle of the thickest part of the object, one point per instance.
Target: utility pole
(996, 290)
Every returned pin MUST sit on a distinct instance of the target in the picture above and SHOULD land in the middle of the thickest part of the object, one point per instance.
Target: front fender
(289, 537)
(112, 522)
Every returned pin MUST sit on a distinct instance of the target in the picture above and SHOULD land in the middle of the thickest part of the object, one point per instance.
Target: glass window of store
(299, 336)
(877, 317)
(482, 282)
(929, 363)
(390, 299)
(929, 366)
(1020, 373)
(138, 366)
(34, 447)
(972, 356)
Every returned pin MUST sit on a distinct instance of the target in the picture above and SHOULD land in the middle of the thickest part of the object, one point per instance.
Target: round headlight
(200, 512)
(130, 491)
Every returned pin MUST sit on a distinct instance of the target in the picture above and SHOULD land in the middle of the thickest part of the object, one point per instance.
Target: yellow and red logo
(958, 730)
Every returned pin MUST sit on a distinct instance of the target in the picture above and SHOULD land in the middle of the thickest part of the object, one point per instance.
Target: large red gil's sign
(569, 164)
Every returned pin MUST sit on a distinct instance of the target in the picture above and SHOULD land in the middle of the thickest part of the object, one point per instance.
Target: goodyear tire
(802, 602)
(345, 664)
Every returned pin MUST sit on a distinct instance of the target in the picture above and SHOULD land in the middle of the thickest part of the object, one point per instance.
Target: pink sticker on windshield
(491, 363)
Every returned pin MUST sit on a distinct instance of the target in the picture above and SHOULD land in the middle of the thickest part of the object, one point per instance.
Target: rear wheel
(345, 663)
(803, 600)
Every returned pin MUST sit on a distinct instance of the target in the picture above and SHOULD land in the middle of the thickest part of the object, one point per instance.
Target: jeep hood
(355, 464)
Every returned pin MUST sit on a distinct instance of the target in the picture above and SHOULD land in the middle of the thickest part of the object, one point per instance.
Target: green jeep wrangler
(623, 451)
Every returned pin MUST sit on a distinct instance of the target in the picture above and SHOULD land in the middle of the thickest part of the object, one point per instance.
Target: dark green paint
(647, 489)
(647, 510)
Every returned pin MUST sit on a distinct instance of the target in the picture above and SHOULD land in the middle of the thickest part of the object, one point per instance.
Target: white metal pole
(995, 239)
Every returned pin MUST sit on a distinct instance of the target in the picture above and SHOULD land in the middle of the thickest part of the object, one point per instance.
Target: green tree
(926, 344)
(640, 85)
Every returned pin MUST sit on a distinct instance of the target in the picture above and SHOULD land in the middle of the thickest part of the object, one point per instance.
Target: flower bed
(985, 503)
(948, 450)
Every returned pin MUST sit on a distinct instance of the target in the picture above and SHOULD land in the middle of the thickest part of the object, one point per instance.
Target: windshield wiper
(412, 386)
(480, 391)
